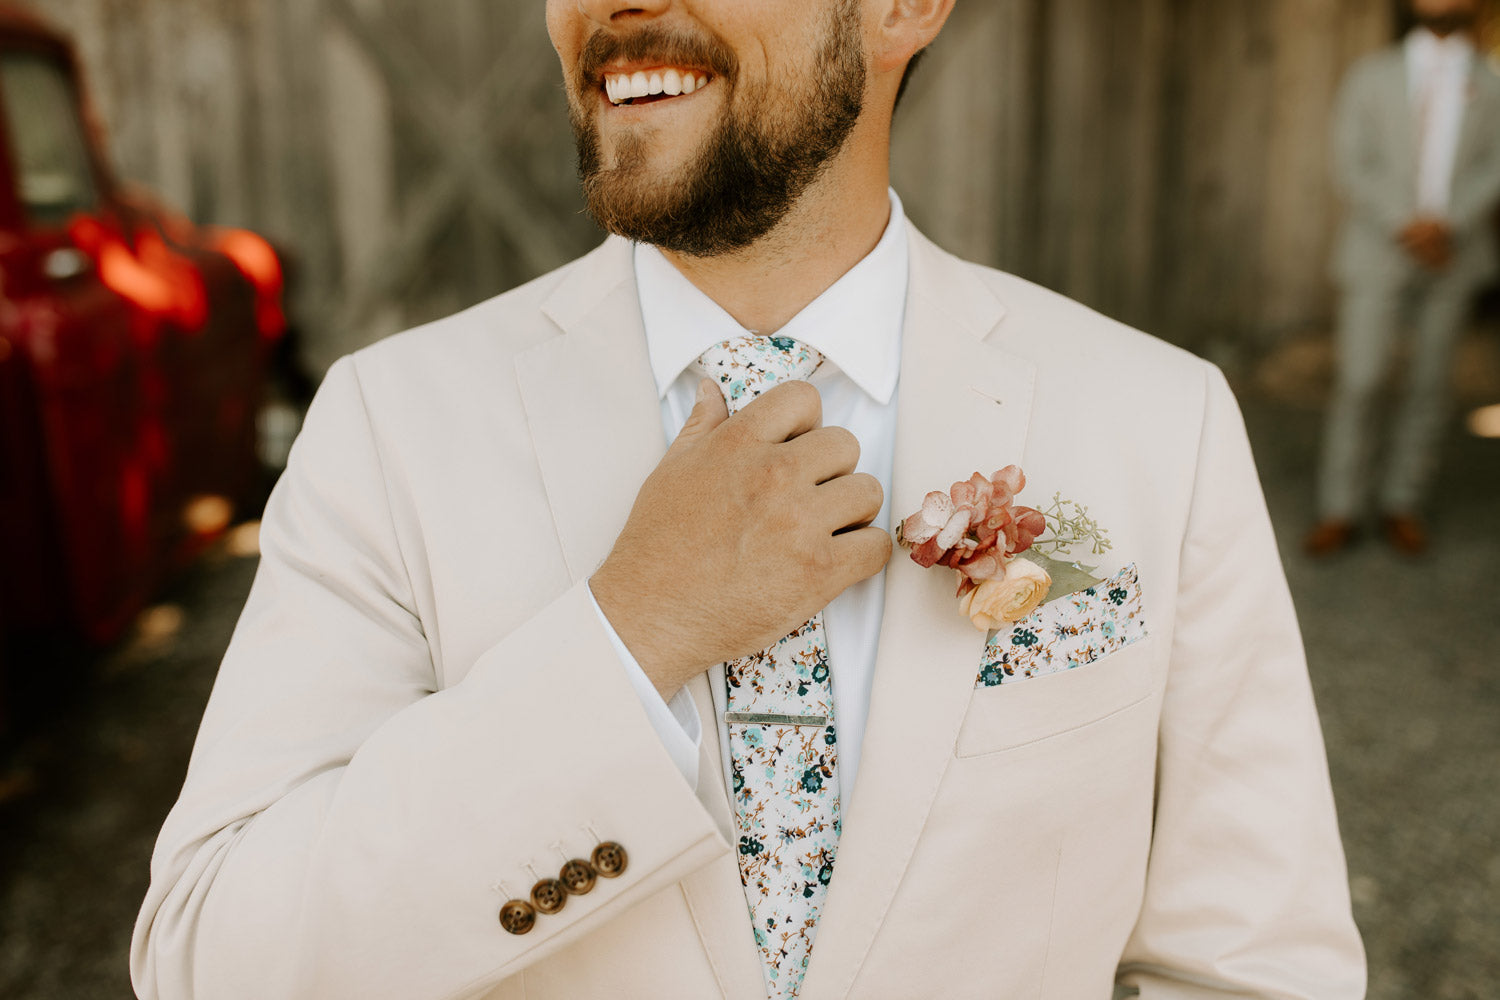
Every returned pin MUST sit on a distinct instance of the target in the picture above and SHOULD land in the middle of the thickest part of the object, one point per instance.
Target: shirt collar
(855, 323)
(1424, 45)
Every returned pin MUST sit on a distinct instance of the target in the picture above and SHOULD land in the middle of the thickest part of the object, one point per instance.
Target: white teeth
(622, 87)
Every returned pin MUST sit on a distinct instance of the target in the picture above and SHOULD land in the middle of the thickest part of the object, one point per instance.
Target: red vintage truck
(133, 354)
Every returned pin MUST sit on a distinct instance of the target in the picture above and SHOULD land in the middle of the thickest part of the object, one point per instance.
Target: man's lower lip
(653, 100)
(643, 102)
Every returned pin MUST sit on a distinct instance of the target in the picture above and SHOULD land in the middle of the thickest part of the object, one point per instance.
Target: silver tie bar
(758, 719)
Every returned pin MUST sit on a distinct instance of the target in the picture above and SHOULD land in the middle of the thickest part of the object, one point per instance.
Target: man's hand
(746, 529)
(1429, 241)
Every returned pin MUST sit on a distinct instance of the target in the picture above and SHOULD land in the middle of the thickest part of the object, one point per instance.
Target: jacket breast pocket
(1015, 714)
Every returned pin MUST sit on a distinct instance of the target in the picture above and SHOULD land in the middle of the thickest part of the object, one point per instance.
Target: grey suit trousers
(1372, 316)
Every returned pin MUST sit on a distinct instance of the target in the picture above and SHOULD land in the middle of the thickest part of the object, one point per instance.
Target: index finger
(788, 410)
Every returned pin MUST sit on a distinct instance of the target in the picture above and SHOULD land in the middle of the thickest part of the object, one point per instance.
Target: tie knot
(750, 364)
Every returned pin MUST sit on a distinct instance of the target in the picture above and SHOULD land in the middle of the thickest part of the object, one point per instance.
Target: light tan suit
(420, 713)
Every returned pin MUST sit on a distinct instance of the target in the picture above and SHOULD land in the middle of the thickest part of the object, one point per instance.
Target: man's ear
(906, 27)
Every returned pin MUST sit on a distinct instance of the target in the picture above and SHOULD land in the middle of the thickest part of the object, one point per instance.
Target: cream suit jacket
(420, 714)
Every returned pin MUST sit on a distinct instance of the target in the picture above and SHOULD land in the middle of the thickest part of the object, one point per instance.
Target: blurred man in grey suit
(1417, 158)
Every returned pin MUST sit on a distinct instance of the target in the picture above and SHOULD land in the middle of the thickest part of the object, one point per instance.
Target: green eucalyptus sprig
(1069, 527)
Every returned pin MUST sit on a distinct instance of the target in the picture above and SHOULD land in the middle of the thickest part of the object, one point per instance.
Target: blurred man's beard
(1444, 25)
(750, 170)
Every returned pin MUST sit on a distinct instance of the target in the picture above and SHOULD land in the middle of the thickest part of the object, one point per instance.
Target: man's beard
(1446, 24)
(750, 170)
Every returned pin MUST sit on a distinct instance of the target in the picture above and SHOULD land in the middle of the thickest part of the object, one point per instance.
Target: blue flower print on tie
(784, 775)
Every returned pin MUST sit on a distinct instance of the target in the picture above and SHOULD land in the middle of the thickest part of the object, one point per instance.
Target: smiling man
(578, 664)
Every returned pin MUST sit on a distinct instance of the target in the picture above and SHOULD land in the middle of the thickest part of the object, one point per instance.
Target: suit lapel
(591, 403)
(595, 423)
(964, 407)
(1476, 118)
(1405, 128)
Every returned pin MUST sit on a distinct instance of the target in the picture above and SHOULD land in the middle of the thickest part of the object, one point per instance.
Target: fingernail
(705, 386)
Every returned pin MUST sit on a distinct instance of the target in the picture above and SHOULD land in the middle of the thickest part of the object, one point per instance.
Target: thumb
(709, 411)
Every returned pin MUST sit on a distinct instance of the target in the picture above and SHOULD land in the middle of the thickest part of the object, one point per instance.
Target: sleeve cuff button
(549, 896)
(517, 917)
(610, 859)
(578, 877)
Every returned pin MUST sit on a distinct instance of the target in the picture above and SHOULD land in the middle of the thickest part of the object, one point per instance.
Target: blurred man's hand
(1429, 242)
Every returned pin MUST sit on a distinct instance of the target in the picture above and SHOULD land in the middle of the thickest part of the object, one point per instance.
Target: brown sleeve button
(610, 859)
(577, 877)
(517, 916)
(549, 895)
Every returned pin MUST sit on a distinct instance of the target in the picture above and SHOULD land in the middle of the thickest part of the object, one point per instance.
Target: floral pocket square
(1068, 632)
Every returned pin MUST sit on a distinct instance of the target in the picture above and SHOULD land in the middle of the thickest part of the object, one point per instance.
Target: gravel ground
(1402, 653)
(1405, 660)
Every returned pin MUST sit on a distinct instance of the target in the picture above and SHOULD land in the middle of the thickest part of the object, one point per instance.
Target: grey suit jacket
(1375, 150)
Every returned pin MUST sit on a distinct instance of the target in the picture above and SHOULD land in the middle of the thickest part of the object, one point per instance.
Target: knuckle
(800, 389)
(770, 482)
(737, 433)
(820, 565)
(768, 475)
(804, 396)
(866, 496)
(875, 553)
(845, 441)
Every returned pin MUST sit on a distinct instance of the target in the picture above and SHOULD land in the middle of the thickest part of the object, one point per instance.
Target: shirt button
(577, 876)
(610, 859)
(549, 895)
(517, 917)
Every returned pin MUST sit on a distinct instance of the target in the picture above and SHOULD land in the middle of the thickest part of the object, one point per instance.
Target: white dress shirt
(1437, 71)
(856, 324)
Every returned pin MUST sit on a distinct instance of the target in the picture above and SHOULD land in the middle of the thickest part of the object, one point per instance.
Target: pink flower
(934, 529)
(925, 524)
(975, 528)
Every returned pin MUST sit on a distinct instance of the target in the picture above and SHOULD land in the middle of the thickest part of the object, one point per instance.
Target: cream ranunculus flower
(1008, 599)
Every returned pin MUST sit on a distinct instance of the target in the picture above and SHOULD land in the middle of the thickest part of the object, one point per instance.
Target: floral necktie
(782, 748)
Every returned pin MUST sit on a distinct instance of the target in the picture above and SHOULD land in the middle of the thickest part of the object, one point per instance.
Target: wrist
(663, 655)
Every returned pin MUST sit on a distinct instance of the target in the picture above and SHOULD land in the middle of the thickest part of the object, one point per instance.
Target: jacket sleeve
(1246, 892)
(347, 829)
(1476, 191)
(1362, 168)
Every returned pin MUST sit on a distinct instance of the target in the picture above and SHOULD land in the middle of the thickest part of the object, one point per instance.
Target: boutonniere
(1005, 554)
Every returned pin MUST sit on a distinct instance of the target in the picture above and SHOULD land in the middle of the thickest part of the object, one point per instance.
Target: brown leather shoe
(1405, 533)
(1328, 537)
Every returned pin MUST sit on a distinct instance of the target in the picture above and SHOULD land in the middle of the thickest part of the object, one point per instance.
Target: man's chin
(642, 158)
(639, 199)
(636, 212)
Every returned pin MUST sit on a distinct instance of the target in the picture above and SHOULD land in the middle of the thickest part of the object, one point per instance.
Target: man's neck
(833, 226)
